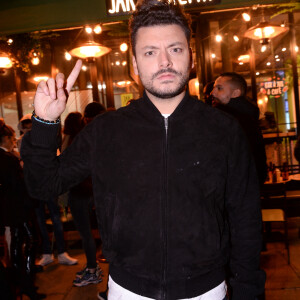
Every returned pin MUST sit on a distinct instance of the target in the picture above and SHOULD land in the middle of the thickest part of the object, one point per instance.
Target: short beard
(168, 93)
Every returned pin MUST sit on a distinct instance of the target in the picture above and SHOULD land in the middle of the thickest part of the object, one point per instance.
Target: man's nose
(165, 60)
(213, 92)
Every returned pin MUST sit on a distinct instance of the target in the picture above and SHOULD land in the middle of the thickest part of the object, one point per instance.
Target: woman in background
(16, 209)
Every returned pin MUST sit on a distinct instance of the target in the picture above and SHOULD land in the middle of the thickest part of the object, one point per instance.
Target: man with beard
(229, 95)
(176, 193)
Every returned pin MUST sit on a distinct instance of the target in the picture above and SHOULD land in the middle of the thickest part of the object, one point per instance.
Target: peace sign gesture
(51, 96)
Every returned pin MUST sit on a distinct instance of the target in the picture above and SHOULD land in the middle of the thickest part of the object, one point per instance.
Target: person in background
(229, 95)
(208, 98)
(175, 187)
(80, 200)
(297, 150)
(73, 124)
(55, 216)
(92, 110)
(16, 213)
(24, 126)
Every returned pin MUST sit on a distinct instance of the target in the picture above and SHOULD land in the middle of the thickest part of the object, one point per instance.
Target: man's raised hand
(51, 96)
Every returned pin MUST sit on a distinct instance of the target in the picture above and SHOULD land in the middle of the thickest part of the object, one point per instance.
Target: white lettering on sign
(274, 88)
(280, 84)
(268, 85)
(125, 5)
(277, 91)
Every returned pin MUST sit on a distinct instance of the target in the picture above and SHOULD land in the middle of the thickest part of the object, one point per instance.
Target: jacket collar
(3, 149)
(148, 109)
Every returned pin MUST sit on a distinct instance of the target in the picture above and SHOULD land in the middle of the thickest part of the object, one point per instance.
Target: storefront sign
(274, 87)
(125, 98)
(122, 7)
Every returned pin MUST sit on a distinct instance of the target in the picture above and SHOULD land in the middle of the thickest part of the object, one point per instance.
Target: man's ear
(236, 93)
(191, 58)
(134, 64)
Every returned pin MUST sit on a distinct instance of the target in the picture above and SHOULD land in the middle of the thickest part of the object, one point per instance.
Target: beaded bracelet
(36, 117)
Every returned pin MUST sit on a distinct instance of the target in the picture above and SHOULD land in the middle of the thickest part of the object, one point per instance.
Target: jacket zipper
(164, 212)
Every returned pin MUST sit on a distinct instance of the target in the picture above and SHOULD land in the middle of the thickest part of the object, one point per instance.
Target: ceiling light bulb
(246, 17)
(213, 55)
(98, 29)
(68, 56)
(83, 68)
(283, 49)
(9, 41)
(263, 48)
(35, 61)
(296, 48)
(123, 47)
(236, 38)
(257, 73)
(5, 62)
(268, 63)
(218, 38)
(88, 29)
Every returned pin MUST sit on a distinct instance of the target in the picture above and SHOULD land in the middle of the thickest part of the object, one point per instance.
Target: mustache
(167, 70)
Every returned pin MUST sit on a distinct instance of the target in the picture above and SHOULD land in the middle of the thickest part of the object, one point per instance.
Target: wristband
(36, 117)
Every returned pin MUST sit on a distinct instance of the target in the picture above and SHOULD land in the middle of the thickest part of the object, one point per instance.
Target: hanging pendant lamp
(264, 30)
(5, 61)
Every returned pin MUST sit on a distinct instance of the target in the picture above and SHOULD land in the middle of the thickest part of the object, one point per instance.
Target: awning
(19, 16)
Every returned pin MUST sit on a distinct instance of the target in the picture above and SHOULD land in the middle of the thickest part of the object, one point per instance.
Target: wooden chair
(273, 199)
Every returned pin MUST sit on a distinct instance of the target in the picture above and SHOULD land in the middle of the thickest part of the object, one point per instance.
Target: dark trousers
(81, 208)
(57, 226)
(22, 256)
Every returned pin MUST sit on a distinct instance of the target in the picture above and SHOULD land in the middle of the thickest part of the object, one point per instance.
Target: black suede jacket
(247, 115)
(173, 209)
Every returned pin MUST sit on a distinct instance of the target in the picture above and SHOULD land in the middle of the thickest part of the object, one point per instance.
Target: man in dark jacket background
(229, 95)
(175, 188)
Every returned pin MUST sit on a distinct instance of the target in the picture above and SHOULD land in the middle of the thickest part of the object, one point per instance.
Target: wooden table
(292, 195)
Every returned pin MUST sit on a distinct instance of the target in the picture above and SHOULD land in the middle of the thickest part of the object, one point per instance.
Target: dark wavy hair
(5, 130)
(73, 123)
(155, 12)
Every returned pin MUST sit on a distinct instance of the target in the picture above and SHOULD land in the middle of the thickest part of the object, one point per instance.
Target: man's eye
(149, 53)
(177, 50)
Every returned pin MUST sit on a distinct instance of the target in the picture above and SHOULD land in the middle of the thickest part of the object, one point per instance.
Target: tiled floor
(283, 280)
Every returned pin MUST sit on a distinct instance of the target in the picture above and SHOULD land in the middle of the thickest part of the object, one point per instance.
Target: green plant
(21, 49)
(286, 7)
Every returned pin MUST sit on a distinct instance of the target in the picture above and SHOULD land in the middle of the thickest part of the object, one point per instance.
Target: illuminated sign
(275, 87)
(125, 98)
(123, 7)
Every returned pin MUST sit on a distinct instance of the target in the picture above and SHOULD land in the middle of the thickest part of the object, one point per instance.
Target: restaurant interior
(261, 42)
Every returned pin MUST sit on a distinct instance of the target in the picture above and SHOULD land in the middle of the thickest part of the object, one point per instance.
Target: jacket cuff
(44, 134)
(242, 292)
